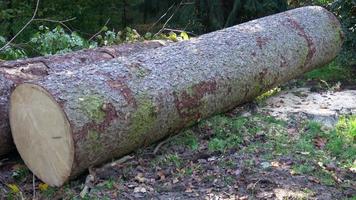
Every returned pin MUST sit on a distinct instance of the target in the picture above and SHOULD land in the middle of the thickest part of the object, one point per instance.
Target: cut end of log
(42, 133)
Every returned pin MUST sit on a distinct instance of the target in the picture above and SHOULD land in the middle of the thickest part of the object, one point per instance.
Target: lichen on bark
(92, 106)
(143, 117)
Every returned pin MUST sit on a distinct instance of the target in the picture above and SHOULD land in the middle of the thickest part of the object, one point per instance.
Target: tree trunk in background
(18, 71)
(111, 108)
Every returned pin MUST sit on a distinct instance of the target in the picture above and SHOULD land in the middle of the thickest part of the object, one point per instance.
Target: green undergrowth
(312, 147)
(188, 139)
(333, 72)
(259, 140)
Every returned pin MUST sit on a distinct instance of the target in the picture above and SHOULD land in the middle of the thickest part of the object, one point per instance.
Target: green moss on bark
(92, 107)
(142, 118)
(93, 144)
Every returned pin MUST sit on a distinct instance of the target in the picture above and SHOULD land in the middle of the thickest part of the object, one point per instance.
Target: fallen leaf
(140, 178)
(161, 175)
(320, 142)
(304, 153)
(291, 131)
(13, 188)
(189, 190)
(265, 165)
(212, 159)
(313, 179)
(250, 186)
(140, 189)
(175, 180)
(43, 187)
(275, 164)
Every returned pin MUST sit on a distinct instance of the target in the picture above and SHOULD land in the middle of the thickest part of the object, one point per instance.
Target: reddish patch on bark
(261, 41)
(110, 115)
(119, 84)
(301, 32)
(189, 101)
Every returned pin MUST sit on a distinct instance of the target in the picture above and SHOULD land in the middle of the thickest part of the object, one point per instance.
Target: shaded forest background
(65, 25)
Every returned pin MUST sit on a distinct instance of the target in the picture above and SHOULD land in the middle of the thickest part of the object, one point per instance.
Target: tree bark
(109, 109)
(18, 71)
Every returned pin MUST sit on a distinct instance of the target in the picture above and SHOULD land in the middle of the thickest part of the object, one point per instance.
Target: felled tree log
(18, 71)
(67, 122)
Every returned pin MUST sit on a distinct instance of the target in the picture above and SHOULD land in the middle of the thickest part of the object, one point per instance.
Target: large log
(18, 71)
(70, 121)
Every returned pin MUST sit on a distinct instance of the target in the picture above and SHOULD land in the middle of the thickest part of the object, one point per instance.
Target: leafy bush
(10, 52)
(56, 41)
(345, 10)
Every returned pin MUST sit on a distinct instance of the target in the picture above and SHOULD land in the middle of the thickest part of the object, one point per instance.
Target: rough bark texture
(117, 106)
(18, 71)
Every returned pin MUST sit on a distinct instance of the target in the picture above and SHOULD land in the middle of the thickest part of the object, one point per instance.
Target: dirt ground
(284, 147)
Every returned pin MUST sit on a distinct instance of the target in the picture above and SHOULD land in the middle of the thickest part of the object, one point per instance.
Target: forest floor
(297, 141)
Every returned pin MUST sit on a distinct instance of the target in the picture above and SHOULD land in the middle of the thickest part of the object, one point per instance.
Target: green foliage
(171, 159)
(217, 144)
(268, 94)
(92, 106)
(345, 10)
(20, 173)
(188, 139)
(332, 72)
(111, 38)
(198, 16)
(228, 132)
(339, 142)
(10, 52)
(346, 127)
(57, 41)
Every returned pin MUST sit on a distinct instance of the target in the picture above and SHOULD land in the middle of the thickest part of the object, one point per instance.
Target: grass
(311, 148)
(20, 173)
(188, 139)
(314, 145)
(168, 160)
(347, 127)
(332, 72)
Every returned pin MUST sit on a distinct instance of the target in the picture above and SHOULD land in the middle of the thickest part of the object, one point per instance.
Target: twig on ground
(155, 151)
(88, 184)
(2, 161)
(120, 161)
(33, 187)
(101, 30)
